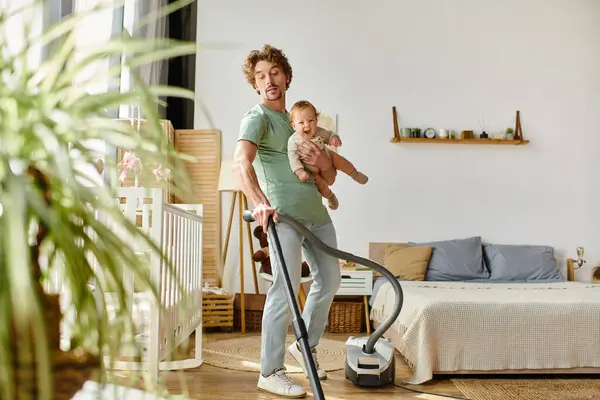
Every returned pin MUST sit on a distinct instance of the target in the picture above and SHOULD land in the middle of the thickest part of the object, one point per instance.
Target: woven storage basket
(253, 305)
(217, 310)
(346, 316)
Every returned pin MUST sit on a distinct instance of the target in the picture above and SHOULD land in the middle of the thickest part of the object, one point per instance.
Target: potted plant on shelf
(509, 134)
(48, 203)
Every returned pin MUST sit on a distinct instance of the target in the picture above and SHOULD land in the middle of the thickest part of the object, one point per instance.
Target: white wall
(442, 63)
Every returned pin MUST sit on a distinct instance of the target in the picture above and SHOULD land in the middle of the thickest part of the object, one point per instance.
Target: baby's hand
(335, 141)
(302, 175)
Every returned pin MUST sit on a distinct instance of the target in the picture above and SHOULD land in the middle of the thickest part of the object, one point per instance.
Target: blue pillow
(508, 262)
(455, 260)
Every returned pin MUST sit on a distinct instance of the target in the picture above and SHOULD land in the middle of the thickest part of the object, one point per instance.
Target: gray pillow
(455, 260)
(509, 262)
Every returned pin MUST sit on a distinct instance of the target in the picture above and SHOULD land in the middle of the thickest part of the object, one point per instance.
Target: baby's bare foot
(359, 177)
(332, 201)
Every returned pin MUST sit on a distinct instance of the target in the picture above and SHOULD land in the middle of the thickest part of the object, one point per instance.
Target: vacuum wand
(297, 321)
(298, 227)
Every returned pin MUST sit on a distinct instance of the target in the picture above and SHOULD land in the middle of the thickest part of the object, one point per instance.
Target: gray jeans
(326, 275)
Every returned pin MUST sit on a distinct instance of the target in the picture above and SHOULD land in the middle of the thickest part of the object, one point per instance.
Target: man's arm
(245, 152)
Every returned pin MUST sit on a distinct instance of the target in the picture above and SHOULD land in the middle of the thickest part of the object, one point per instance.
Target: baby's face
(305, 123)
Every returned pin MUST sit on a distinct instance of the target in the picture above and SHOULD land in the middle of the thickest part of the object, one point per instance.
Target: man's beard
(275, 95)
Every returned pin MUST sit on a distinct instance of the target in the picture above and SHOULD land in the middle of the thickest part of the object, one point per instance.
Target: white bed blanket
(451, 326)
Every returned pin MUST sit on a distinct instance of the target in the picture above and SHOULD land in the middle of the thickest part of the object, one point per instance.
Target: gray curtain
(179, 71)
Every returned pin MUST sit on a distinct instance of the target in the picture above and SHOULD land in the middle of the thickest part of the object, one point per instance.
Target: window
(90, 32)
(25, 23)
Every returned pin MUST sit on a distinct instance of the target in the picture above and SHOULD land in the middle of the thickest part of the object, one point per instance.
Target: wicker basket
(253, 307)
(346, 317)
(217, 310)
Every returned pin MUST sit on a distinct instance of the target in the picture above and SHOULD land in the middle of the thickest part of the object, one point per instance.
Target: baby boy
(303, 117)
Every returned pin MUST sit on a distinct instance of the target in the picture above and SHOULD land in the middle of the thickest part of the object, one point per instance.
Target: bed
(484, 326)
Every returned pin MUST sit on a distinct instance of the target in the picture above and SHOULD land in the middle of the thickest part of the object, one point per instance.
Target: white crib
(177, 230)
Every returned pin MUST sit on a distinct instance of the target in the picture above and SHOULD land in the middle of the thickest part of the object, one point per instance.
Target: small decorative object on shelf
(509, 134)
(466, 136)
(443, 133)
(482, 125)
(416, 133)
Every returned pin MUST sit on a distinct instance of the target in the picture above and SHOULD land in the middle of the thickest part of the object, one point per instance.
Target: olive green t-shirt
(270, 131)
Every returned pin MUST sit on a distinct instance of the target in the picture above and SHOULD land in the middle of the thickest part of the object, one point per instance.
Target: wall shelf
(518, 140)
(460, 141)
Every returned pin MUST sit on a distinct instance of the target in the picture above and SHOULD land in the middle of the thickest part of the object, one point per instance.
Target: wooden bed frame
(377, 252)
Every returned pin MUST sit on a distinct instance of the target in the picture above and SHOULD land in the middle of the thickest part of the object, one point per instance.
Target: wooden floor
(212, 383)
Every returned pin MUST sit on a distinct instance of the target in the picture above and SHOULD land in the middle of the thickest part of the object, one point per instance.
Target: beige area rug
(243, 354)
(529, 389)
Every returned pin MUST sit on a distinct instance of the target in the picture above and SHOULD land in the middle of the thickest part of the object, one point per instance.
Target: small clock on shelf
(429, 133)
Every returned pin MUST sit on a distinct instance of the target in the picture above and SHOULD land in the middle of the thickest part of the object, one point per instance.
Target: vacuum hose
(301, 229)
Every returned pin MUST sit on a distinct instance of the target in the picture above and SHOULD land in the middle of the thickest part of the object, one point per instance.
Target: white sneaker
(281, 384)
(297, 354)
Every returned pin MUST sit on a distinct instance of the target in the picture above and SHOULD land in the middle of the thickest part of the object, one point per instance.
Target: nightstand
(358, 283)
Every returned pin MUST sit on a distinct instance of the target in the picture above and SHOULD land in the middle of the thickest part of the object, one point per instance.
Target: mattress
(452, 326)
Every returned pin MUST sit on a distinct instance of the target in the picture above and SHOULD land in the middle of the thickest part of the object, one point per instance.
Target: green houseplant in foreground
(48, 202)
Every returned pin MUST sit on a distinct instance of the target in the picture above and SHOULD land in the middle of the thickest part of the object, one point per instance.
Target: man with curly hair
(264, 174)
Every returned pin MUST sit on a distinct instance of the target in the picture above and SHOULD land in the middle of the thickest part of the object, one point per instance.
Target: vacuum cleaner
(369, 360)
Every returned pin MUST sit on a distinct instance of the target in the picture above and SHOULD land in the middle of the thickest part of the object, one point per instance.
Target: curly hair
(270, 54)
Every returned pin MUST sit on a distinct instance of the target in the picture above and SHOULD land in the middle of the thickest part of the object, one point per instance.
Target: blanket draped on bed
(451, 326)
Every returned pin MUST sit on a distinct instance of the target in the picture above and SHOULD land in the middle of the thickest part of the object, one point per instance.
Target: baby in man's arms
(303, 117)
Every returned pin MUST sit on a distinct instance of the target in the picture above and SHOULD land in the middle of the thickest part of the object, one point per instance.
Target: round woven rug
(243, 354)
(529, 389)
